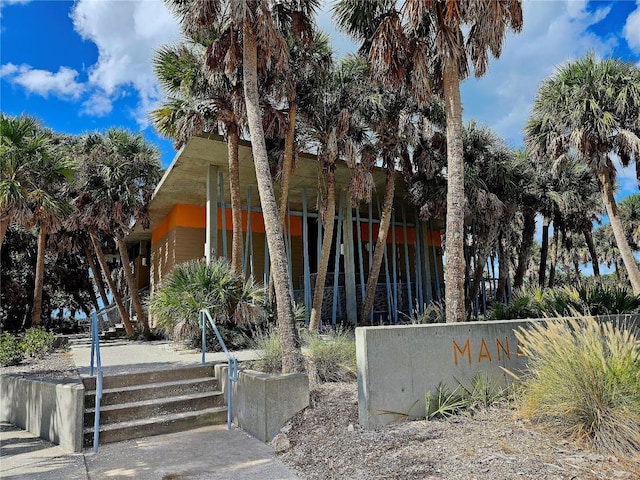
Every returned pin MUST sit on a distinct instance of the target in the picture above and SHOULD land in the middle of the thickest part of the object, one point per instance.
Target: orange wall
(196, 217)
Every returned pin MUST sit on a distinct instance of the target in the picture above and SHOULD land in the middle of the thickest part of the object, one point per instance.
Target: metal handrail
(95, 351)
(232, 370)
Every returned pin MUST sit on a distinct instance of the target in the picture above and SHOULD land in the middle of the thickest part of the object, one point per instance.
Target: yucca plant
(194, 285)
(584, 379)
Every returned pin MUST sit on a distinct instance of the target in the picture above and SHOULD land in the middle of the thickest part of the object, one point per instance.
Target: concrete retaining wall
(51, 409)
(397, 365)
(262, 402)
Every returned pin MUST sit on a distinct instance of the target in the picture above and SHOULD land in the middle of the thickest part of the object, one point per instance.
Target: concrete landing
(211, 453)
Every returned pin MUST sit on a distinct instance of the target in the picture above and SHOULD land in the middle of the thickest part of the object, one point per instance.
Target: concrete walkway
(206, 453)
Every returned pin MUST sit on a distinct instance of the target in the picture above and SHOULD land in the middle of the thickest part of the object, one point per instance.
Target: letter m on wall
(466, 350)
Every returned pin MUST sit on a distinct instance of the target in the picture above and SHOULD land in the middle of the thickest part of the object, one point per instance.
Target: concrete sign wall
(397, 365)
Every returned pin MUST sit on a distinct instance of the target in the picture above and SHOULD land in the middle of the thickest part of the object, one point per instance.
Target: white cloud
(97, 105)
(631, 29)
(43, 82)
(553, 33)
(127, 35)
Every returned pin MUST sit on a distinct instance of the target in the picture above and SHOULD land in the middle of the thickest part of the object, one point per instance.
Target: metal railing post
(232, 362)
(95, 353)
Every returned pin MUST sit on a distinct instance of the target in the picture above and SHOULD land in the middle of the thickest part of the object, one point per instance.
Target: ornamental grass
(584, 380)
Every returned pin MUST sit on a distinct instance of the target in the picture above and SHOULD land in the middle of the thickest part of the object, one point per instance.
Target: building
(411, 273)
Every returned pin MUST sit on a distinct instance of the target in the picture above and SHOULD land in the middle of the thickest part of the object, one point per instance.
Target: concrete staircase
(153, 403)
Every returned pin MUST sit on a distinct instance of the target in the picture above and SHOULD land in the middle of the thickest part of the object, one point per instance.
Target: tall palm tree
(591, 106)
(35, 170)
(255, 22)
(204, 98)
(435, 39)
(329, 126)
(120, 171)
(23, 146)
(396, 124)
(49, 205)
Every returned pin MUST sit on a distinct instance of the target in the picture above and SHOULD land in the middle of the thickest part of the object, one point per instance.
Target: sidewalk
(205, 453)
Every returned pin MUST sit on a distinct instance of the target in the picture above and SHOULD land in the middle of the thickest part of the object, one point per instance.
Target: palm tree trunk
(39, 278)
(287, 170)
(97, 275)
(4, 225)
(544, 252)
(503, 273)
(478, 273)
(454, 272)
(618, 232)
(524, 254)
(124, 315)
(236, 205)
(554, 258)
(327, 240)
(588, 238)
(287, 167)
(381, 245)
(94, 300)
(292, 360)
(133, 288)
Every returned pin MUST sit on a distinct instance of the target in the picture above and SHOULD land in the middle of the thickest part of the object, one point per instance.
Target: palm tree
(202, 99)
(35, 170)
(329, 126)
(49, 205)
(252, 20)
(396, 124)
(424, 38)
(591, 107)
(23, 145)
(120, 172)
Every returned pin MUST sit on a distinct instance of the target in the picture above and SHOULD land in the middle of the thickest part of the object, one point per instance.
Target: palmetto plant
(194, 285)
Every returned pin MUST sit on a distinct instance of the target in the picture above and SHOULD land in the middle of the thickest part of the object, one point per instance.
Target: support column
(211, 239)
(349, 264)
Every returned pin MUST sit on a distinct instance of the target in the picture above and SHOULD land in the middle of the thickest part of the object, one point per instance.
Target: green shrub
(192, 286)
(332, 357)
(270, 357)
(37, 342)
(595, 299)
(584, 379)
(11, 351)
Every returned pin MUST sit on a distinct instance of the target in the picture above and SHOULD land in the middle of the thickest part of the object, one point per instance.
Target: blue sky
(86, 65)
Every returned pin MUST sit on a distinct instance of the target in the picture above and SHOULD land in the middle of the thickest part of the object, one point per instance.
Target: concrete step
(124, 412)
(156, 376)
(148, 391)
(159, 425)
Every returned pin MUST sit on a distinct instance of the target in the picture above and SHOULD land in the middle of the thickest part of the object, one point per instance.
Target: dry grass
(584, 380)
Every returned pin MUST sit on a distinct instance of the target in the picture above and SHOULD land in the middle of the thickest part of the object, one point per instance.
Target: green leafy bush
(596, 299)
(37, 342)
(332, 357)
(584, 379)
(11, 351)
